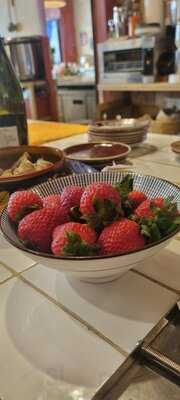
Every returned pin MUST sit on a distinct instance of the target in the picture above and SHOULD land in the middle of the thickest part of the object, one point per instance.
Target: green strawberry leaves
(77, 247)
(105, 213)
(164, 222)
(150, 231)
(125, 187)
(106, 210)
(177, 220)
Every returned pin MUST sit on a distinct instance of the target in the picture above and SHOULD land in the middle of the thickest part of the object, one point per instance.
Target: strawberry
(74, 239)
(22, 203)
(52, 200)
(121, 237)
(158, 202)
(71, 196)
(100, 204)
(157, 218)
(145, 209)
(36, 228)
(136, 198)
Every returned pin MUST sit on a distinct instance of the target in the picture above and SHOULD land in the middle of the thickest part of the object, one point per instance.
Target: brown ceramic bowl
(175, 146)
(97, 152)
(9, 155)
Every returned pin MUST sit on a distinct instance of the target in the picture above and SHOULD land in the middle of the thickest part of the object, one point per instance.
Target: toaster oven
(123, 60)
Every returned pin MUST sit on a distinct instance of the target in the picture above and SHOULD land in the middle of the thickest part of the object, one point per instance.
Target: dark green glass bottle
(13, 122)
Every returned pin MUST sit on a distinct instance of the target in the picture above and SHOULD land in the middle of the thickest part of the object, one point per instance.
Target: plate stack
(129, 131)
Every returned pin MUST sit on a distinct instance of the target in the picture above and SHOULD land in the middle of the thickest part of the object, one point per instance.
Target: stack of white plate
(129, 131)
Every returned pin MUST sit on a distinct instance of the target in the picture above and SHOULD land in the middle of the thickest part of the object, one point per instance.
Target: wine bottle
(13, 122)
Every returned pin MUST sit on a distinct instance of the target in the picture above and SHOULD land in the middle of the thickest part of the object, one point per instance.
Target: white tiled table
(61, 339)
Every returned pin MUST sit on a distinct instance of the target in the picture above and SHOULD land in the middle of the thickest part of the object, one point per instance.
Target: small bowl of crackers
(22, 165)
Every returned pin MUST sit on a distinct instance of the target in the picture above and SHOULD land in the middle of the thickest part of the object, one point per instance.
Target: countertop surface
(61, 338)
(115, 86)
(81, 81)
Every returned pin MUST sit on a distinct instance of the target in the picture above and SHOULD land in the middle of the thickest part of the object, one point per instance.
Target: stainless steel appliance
(26, 55)
(123, 60)
(119, 22)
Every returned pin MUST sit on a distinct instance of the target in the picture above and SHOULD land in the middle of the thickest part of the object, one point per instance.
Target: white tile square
(164, 157)
(124, 311)
(160, 140)
(164, 267)
(12, 257)
(69, 141)
(44, 353)
(167, 172)
(4, 273)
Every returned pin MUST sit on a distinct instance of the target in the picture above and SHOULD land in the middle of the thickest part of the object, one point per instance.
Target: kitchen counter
(40, 132)
(155, 87)
(77, 81)
(61, 338)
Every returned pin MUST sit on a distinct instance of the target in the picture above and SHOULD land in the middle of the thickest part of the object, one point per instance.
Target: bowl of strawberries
(94, 227)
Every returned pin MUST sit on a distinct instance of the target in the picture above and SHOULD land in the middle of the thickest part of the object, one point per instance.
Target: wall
(30, 13)
(67, 30)
(83, 27)
(178, 9)
(52, 13)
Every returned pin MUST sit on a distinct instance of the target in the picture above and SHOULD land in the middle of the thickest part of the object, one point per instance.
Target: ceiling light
(54, 3)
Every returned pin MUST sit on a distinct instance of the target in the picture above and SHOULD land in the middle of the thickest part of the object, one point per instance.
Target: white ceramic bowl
(97, 269)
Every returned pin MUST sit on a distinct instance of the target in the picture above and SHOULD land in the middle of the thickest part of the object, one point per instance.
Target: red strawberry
(121, 237)
(52, 200)
(71, 196)
(136, 198)
(98, 191)
(158, 202)
(100, 204)
(36, 228)
(144, 209)
(22, 203)
(74, 239)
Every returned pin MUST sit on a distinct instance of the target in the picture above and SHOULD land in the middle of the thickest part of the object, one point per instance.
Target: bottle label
(8, 136)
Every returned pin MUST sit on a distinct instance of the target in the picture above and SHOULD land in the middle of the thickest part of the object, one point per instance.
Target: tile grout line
(74, 316)
(14, 272)
(5, 281)
(153, 280)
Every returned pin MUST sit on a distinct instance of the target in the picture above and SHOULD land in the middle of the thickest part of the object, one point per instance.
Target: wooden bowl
(165, 127)
(9, 155)
(175, 146)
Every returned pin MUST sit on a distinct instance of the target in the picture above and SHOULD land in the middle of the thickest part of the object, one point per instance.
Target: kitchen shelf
(140, 87)
(30, 84)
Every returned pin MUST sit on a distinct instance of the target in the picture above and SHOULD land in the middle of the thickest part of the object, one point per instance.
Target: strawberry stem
(77, 247)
